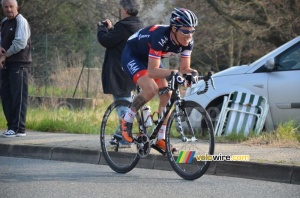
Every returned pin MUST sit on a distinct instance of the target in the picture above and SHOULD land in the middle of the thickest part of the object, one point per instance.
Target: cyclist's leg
(162, 83)
(164, 98)
(138, 72)
(163, 103)
(148, 91)
(149, 88)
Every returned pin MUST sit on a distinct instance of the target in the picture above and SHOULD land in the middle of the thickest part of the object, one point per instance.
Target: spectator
(114, 80)
(15, 58)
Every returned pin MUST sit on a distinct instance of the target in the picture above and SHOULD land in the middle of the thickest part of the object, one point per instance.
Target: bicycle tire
(121, 158)
(186, 160)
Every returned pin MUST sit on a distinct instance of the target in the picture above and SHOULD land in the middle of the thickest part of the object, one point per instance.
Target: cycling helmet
(183, 17)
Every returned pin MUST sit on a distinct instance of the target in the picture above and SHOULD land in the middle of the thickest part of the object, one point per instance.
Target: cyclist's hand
(175, 71)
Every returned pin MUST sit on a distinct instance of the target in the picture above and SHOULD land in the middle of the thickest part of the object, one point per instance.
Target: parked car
(276, 76)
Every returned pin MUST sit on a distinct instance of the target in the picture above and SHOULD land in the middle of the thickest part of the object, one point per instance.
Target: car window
(289, 59)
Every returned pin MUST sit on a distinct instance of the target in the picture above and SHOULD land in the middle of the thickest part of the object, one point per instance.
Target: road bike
(189, 133)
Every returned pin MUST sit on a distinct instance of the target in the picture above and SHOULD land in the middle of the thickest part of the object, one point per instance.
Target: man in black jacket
(114, 39)
(15, 58)
(114, 80)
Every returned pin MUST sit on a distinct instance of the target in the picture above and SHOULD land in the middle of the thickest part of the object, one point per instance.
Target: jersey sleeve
(155, 53)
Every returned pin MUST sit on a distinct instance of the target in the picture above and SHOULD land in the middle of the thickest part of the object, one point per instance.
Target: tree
(271, 21)
(227, 36)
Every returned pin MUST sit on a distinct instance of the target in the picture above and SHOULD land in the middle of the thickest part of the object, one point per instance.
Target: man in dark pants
(114, 80)
(15, 58)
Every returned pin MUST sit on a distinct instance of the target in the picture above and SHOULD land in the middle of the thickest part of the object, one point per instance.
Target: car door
(283, 86)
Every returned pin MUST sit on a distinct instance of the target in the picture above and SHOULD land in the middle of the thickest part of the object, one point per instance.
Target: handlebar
(175, 79)
(206, 79)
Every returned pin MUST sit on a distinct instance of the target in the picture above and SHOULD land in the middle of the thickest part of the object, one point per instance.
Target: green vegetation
(232, 137)
(288, 131)
(51, 91)
(287, 134)
(88, 121)
(63, 120)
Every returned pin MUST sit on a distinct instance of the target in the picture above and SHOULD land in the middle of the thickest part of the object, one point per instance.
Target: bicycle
(183, 132)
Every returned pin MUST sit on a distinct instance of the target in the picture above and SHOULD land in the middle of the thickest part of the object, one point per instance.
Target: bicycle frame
(174, 100)
(175, 96)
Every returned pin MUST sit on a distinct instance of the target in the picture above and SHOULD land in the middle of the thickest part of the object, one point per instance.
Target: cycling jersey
(150, 42)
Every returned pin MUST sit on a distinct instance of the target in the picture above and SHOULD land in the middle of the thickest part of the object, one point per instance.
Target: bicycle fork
(179, 124)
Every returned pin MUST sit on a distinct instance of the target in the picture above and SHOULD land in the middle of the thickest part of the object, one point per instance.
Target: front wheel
(121, 156)
(191, 157)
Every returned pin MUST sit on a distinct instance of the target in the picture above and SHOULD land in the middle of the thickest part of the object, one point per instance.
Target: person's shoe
(126, 128)
(162, 145)
(21, 134)
(124, 144)
(9, 133)
(118, 139)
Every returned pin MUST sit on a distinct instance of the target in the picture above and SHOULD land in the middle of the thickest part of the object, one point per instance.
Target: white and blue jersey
(151, 42)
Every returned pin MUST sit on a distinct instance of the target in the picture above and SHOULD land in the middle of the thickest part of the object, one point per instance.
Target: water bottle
(147, 116)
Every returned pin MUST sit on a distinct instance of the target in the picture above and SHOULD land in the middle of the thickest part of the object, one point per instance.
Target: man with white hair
(15, 58)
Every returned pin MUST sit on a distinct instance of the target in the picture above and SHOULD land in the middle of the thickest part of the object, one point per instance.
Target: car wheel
(214, 113)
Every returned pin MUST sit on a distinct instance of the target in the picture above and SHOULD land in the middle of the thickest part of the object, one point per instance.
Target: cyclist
(141, 59)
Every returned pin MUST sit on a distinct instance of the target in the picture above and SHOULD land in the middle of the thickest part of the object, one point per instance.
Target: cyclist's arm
(185, 62)
(154, 71)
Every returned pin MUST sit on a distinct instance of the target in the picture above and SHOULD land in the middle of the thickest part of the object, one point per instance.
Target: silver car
(276, 76)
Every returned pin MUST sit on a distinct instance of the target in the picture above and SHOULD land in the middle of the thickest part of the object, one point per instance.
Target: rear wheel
(188, 159)
(121, 156)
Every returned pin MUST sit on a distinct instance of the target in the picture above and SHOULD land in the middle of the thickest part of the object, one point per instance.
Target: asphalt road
(23, 177)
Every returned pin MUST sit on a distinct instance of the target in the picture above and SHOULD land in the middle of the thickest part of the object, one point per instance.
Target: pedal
(158, 149)
(118, 137)
(117, 141)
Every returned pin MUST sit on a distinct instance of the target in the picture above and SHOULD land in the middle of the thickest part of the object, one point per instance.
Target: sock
(129, 116)
(162, 132)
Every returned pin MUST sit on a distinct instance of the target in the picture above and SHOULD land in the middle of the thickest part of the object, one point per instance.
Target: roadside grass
(286, 135)
(50, 91)
(88, 121)
(64, 120)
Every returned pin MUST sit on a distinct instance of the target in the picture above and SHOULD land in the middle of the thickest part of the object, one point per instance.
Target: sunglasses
(186, 32)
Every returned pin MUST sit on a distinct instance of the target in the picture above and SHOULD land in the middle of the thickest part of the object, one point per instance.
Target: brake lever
(209, 77)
